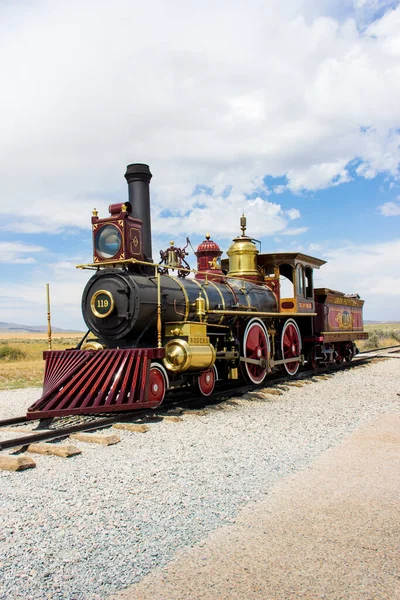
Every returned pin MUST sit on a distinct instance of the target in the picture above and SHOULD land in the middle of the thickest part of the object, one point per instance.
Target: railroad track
(62, 427)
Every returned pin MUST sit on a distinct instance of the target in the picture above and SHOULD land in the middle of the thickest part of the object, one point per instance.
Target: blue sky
(288, 111)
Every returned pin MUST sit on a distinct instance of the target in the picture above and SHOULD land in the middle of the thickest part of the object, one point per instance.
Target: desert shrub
(382, 333)
(373, 341)
(9, 353)
(395, 334)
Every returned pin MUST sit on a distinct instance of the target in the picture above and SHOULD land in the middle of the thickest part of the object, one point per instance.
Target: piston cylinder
(181, 356)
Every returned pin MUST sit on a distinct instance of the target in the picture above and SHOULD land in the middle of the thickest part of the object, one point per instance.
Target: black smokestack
(138, 177)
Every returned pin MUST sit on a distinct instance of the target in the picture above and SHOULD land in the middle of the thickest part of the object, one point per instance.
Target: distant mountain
(366, 322)
(15, 328)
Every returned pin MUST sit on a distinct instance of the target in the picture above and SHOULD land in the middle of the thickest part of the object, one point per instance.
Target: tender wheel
(349, 352)
(255, 346)
(206, 381)
(339, 357)
(158, 382)
(291, 346)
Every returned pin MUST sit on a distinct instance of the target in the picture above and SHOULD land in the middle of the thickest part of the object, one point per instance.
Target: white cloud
(371, 270)
(389, 209)
(302, 94)
(220, 215)
(295, 231)
(293, 213)
(13, 252)
(25, 302)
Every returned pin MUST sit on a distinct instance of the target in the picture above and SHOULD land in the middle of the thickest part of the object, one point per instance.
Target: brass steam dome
(243, 255)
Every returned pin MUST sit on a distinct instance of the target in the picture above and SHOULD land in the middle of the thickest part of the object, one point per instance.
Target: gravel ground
(85, 527)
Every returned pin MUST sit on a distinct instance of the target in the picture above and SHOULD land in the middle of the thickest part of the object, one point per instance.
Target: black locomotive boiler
(156, 326)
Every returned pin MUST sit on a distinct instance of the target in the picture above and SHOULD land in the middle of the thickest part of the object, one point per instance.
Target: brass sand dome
(243, 255)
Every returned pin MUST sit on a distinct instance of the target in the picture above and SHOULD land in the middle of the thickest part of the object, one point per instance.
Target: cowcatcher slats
(90, 382)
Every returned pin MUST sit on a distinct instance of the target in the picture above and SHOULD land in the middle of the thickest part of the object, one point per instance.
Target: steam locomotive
(159, 325)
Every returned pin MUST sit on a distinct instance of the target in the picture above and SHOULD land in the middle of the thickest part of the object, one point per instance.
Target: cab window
(299, 280)
(309, 282)
(286, 281)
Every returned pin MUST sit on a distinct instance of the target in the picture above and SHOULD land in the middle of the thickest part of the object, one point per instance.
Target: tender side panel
(88, 382)
(337, 313)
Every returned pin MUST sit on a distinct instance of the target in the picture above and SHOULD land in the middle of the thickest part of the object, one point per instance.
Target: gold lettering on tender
(347, 301)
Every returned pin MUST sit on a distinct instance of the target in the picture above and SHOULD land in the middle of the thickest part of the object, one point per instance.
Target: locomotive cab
(295, 274)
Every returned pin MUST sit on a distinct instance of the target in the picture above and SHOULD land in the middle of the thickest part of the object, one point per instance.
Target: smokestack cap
(138, 172)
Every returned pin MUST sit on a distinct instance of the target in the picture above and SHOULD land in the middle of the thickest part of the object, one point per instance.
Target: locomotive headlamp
(108, 241)
(102, 304)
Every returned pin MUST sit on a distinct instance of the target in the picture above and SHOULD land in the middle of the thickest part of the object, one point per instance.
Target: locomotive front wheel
(157, 384)
(206, 382)
(291, 346)
(256, 347)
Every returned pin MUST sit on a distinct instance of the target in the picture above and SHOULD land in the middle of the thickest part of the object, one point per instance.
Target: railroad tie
(54, 449)
(95, 438)
(136, 427)
(16, 463)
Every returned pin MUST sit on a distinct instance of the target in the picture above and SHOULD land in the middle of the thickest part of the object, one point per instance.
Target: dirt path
(332, 531)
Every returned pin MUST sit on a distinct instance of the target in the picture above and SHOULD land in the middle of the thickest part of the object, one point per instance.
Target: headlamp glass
(108, 241)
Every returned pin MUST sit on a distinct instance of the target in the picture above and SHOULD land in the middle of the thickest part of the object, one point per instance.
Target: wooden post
(48, 316)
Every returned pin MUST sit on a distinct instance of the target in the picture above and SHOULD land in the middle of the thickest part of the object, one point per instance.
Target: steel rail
(61, 432)
(13, 421)
(379, 349)
(193, 402)
(51, 434)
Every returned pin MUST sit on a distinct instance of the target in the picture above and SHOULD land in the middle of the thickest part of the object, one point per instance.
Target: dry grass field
(380, 335)
(22, 365)
(21, 357)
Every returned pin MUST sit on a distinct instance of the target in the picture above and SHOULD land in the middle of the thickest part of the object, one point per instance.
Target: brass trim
(159, 317)
(253, 313)
(222, 298)
(208, 324)
(203, 290)
(205, 294)
(241, 289)
(93, 306)
(92, 345)
(184, 293)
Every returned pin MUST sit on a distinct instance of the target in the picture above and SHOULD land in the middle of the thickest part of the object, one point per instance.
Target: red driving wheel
(256, 347)
(206, 382)
(157, 384)
(291, 345)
